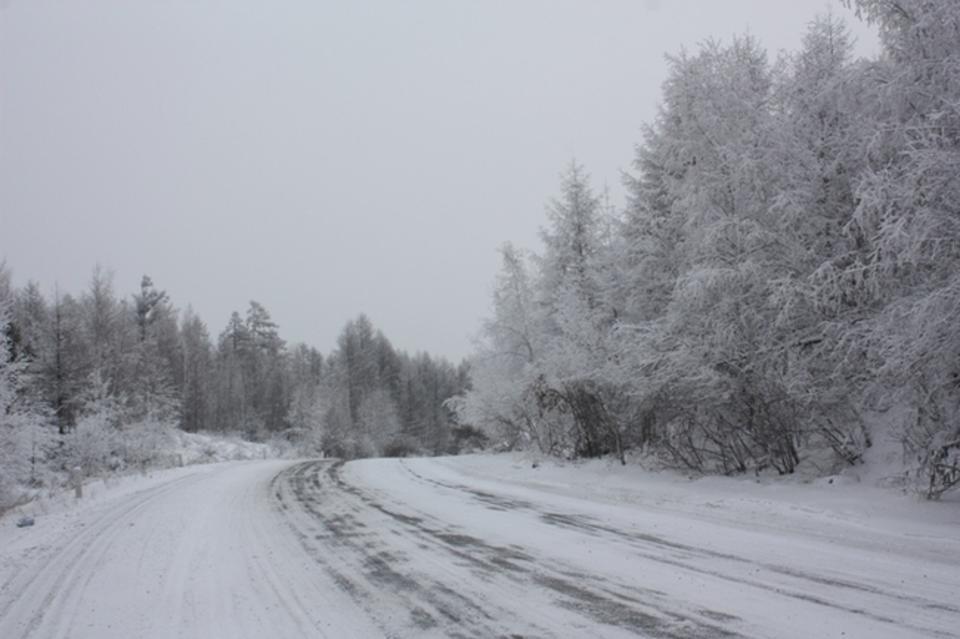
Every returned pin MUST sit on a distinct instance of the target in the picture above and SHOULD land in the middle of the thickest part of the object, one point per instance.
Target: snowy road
(421, 548)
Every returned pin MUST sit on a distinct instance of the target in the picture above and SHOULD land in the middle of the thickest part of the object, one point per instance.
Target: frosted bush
(94, 445)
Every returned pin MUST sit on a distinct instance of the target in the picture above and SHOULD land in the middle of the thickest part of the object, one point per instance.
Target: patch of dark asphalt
(280, 500)
(422, 619)
(373, 570)
(716, 615)
(943, 607)
(588, 524)
(850, 585)
(492, 501)
(785, 592)
(471, 549)
(497, 501)
(457, 539)
(449, 594)
(410, 520)
(345, 583)
(614, 613)
(379, 567)
(506, 564)
(631, 594)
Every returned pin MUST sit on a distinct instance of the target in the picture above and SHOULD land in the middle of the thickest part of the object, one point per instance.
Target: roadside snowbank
(178, 449)
(58, 513)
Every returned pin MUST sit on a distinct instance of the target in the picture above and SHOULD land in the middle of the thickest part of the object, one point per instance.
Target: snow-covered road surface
(203, 555)
(438, 548)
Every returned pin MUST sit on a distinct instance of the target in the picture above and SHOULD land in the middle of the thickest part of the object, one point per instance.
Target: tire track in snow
(52, 589)
(333, 533)
(195, 557)
(799, 584)
(392, 567)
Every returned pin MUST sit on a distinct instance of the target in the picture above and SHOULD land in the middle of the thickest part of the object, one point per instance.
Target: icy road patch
(478, 547)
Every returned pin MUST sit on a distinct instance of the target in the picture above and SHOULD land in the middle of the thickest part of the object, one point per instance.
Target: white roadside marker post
(76, 478)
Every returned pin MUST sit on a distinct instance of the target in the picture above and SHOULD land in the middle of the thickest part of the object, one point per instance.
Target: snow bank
(168, 448)
(186, 454)
(63, 505)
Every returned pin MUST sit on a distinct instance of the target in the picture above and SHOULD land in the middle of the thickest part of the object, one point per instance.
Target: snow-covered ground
(168, 447)
(192, 552)
(479, 546)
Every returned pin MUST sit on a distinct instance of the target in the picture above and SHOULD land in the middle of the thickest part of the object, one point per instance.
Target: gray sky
(326, 158)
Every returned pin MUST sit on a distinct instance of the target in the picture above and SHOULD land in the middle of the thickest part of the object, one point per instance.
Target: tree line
(785, 273)
(95, 380)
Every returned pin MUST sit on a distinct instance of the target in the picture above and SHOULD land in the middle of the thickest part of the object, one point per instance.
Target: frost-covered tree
(536, 377)
(7, 368)
(703, 252)
(357, 354)
(104, 329)
(821, 141)
(786, 265)
(787, 255)
(571, 241)
(307, 401)
(252, 389)
(100, 381)
(377, 400)
(232, 408)
(505, 369)
(9, 436)
(197, 410)
(378, 421)
(577, 317)
(66, 361)
(907, 225)
(266, 368)
(153, 392)
(24, 443)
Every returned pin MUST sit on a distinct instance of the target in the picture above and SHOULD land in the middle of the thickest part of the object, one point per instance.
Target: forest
(94, 382)
(783, 279)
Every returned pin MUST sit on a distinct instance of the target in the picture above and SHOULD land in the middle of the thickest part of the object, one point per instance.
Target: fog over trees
(784, 275)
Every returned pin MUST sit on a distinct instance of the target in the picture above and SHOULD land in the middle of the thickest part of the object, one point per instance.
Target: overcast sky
(326, 158)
